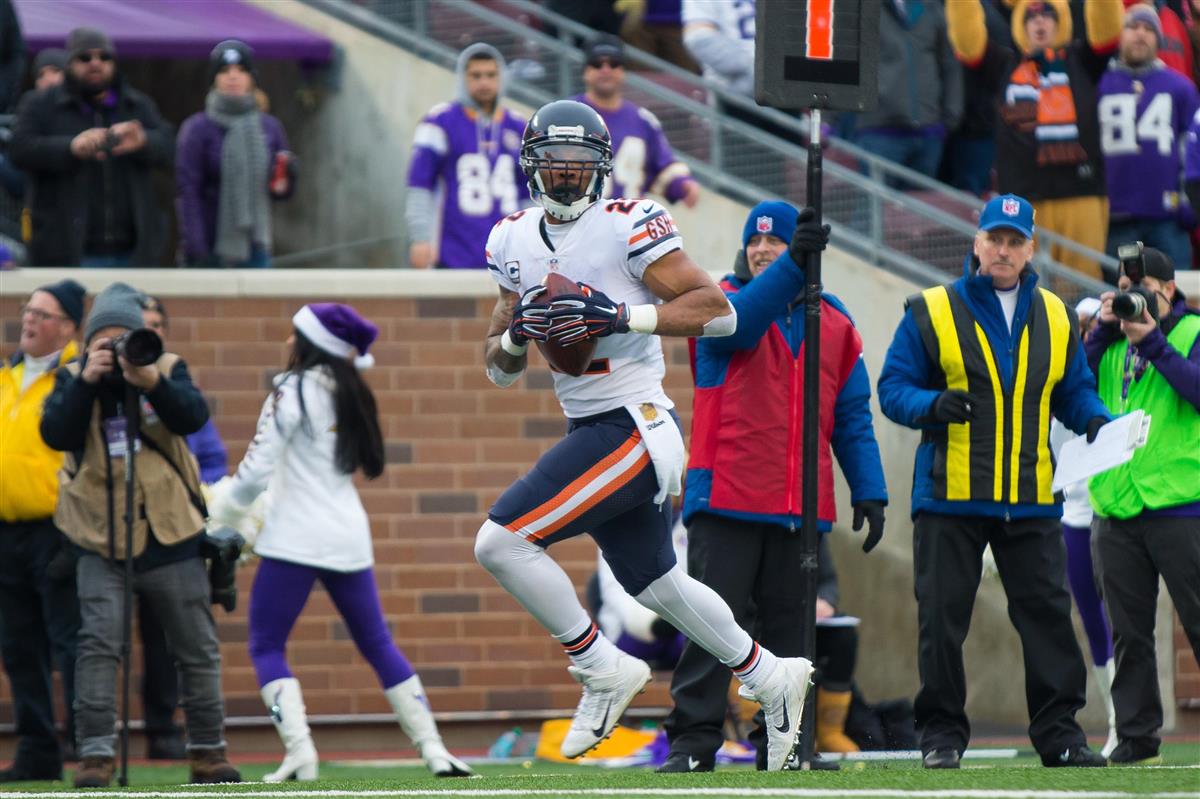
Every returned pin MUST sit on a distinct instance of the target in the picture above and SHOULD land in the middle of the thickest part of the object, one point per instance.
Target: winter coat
(60, 185)
(198, 178)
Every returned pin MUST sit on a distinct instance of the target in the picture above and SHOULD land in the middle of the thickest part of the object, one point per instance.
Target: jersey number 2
(480, 185)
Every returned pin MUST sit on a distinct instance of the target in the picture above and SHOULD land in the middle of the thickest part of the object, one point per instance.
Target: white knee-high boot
(411, 707)
(283, 699)
(1104, 678)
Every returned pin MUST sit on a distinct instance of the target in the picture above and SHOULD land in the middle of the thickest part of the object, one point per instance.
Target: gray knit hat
(50, 57)
(80, 40)
(119, 305)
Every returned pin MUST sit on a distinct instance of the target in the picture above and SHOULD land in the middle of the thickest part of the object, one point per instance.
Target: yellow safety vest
(1003, 455)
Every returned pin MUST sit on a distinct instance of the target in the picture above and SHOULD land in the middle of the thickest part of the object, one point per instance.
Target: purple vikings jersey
(643, 162)
(1191, 150)
(478, 167)
(1143, 121)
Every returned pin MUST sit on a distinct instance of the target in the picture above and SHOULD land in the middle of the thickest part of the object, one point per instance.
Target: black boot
(681, 763)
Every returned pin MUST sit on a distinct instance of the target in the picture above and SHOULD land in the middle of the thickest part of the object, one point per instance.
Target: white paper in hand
(1114, 445)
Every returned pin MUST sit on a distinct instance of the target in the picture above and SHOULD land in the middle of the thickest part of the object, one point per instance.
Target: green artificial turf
(980, 778)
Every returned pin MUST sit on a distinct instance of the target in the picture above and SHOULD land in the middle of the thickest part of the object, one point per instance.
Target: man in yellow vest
(1148, 509)
(39, 611)
(978, 367)
(87, 416)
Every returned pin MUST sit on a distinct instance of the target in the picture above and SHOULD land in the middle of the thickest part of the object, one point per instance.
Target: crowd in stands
(1086, 107)
(84, 146)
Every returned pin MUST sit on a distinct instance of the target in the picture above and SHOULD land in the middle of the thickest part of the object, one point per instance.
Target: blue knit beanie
(774, 217)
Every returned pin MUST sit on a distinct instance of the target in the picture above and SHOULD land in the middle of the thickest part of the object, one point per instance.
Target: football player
(623, 452)
(470, 146)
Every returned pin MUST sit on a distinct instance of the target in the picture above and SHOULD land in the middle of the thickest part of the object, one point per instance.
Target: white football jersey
(608, 248)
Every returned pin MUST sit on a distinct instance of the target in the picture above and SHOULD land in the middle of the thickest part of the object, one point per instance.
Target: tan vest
(82, 512)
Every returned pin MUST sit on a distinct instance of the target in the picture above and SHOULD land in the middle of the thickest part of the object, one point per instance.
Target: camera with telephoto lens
(222, 548)
(140, 347)
(1129, 305)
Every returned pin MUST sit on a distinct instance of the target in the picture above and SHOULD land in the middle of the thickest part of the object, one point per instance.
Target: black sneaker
(1131, 752)
(941, 758)
(1078, 756)
(681, 763)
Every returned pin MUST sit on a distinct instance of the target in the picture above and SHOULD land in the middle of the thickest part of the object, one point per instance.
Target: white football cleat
(782, 700)
(605, 697)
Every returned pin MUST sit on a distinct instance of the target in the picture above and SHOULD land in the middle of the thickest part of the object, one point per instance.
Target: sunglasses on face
(602, 62)
(87, 58)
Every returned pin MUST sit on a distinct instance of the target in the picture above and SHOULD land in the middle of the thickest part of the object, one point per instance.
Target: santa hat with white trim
(338, 330)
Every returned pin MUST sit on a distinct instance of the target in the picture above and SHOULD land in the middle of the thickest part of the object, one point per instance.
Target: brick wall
(454, 442)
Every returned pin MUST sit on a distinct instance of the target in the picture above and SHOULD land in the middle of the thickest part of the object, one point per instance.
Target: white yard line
(803, 793)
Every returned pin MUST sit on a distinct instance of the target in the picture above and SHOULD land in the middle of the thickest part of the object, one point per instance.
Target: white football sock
(699, 613)
(545, 590)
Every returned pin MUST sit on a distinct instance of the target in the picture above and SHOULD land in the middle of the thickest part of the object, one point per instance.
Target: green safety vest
(1166, 471)
(1003, 455)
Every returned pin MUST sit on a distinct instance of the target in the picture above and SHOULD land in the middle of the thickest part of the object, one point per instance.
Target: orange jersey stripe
(578, 483)
(819, 41)
(595, 499)
(639, 237)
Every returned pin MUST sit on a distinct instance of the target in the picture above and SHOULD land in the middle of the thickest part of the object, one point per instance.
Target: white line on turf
(805, 793)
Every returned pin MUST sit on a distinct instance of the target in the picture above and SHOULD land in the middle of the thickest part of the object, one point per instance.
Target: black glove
(529, 318)
(590, 314)
(810, 236)
(1093, 428)
(872, 511)
(953, 407)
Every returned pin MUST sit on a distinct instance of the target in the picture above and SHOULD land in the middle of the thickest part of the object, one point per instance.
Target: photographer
(85, 417)
(1146, 356)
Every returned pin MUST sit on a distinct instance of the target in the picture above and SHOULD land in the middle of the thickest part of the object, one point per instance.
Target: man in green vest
(1148, 509)
(978, 367)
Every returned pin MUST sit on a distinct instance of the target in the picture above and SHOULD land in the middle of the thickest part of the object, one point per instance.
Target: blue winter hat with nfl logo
(773, 217)
(1010, 211)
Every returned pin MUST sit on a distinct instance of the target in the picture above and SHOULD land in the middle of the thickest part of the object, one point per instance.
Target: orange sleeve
(967, 31)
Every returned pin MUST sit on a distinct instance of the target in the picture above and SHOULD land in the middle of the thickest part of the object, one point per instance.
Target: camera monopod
(132, 411)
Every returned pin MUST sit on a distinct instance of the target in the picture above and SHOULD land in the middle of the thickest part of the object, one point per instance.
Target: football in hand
(573, 359)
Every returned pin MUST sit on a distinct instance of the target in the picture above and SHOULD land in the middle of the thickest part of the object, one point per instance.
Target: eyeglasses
(40, 315)
(603, 62)
(87, 58)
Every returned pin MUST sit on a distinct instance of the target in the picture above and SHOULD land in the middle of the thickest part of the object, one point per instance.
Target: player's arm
(504, 363)
(515, 320)
(692, 304)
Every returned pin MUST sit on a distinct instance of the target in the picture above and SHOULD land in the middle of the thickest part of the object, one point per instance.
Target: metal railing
(923, 234)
